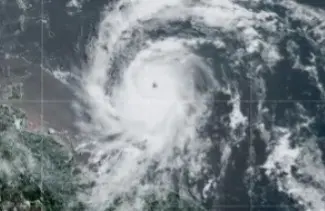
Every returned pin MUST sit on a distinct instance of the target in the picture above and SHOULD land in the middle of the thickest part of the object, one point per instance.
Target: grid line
(250, 147)
(249, 206)
(42, 90)
(220, 101)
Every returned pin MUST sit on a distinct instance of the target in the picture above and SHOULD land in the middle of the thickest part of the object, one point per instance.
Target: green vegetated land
(35, 171)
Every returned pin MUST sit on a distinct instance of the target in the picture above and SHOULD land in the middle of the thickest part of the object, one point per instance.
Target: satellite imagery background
(162, 105)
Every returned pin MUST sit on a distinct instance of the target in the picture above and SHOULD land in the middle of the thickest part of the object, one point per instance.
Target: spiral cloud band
(158, 74)
(153, 94)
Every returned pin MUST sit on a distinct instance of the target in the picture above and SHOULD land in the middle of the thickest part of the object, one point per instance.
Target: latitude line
(221, 101)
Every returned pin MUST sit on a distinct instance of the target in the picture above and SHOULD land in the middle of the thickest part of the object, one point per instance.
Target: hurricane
(159, 76)
(178, 104)
(151, 96)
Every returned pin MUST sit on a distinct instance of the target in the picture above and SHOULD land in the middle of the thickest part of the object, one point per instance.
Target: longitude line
(42, 89)
(250, 143)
